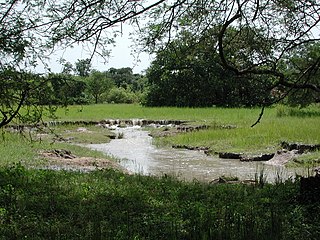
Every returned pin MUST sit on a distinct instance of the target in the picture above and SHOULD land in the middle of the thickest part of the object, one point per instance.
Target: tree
(18, 90)
(121, 76)
(66, 90)
(30, 30)
(83, 67)
(273, 30)
(67, 68)
(307, 57)
(121, 95)
(187, 73)
(98, 84)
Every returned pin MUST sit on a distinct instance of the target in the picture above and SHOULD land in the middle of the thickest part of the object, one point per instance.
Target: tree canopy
(270, 31)
(188, 73)
(266, 33)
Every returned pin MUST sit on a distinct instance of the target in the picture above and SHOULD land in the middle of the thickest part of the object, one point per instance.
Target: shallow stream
(138, 155)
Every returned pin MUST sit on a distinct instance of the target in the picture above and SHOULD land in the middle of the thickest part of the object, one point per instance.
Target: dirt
(64, 159)
(282, 157)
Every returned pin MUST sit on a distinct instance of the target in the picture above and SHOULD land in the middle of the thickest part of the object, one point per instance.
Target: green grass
(77, 133)
(278, 124)
(132, 111)
(47, 204)
(265, 137)
(17, 147)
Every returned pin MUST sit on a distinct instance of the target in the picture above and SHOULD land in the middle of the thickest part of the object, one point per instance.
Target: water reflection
(139, 155)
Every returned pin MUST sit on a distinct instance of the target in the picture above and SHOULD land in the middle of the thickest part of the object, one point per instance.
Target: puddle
(137, 154)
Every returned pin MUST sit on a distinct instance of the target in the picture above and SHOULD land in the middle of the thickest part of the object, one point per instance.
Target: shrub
(121, 95)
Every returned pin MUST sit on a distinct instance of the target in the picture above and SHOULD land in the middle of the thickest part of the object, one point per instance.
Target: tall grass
(110, 205)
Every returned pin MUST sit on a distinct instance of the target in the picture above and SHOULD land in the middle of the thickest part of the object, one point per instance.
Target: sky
(121, 56)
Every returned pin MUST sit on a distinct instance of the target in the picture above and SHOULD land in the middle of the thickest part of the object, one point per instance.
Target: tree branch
(6, 120)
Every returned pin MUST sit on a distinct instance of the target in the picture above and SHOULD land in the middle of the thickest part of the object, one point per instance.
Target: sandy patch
(64, 159)
(282, 157)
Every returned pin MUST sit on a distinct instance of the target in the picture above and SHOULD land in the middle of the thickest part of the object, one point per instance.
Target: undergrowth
(45, 204)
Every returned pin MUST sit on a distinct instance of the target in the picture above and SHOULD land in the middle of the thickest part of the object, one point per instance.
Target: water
(137, 154)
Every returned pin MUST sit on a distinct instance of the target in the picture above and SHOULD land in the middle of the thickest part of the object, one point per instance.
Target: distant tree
(98, 84)
(67, 89)
(122, 77)
(83, 67)
(67, 68)
(139, 83)
(121, 95)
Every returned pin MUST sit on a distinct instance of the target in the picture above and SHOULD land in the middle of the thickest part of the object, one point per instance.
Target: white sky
(121, 56)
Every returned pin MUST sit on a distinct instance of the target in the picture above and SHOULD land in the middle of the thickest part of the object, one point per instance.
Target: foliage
(98, 84)
(121, 95)
(253, 38)
(41, 204)
(307, 58)
(66, 89)
(189, 73)
(83, 67)
(22, 90)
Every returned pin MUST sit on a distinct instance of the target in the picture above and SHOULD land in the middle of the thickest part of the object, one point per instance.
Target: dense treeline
(188, 73)
(83, 85)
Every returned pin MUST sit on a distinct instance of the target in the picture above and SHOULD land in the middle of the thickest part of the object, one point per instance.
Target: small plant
(120, 135)
(260, 178)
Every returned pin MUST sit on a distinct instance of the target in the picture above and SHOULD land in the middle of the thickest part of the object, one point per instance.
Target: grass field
(277, 124)
(108, 204)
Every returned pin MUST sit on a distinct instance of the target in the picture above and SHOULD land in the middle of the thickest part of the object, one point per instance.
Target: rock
(60, 153)
(111, 135)
(191, 128)
(205, 149)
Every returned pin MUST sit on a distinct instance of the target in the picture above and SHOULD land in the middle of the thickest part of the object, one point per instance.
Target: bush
(121, 95)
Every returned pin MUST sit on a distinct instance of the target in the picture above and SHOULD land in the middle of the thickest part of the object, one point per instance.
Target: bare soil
(60, 158)
(282, 157)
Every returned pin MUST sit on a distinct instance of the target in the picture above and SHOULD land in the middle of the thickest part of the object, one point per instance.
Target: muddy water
(137, 154)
